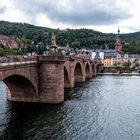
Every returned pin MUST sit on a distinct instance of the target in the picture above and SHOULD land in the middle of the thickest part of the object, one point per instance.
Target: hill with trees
(33, 36)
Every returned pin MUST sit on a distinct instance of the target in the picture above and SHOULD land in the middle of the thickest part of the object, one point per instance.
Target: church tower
(118, 45)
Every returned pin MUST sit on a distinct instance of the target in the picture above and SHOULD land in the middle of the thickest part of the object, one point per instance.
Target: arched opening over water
(78, 74)
(66, 78)
(20, 87)
(3, 89)
(87, 71)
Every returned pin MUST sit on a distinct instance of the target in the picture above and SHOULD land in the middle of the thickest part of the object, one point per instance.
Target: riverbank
(120, 74)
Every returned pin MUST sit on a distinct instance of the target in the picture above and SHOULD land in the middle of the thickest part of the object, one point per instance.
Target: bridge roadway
(42, 79)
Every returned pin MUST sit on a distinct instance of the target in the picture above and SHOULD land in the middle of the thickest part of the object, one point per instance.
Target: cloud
(76, 12)
(102, 15)
(2, 9)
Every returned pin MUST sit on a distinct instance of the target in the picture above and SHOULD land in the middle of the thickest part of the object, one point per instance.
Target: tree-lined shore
(32, 36)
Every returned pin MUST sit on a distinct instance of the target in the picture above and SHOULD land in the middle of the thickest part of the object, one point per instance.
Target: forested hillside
(76, 38)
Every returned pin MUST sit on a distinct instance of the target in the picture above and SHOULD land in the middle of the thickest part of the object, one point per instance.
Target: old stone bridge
(42, 79)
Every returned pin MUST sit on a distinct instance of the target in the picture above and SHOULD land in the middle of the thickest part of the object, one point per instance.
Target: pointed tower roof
(118, 30)
(118, 45)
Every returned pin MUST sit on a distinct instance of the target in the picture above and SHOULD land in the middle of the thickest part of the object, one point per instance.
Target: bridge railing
(10, 60)
(17, 59)
(82, 57)
(43, 58)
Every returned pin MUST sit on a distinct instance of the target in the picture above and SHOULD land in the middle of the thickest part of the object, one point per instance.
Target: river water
(103, 108)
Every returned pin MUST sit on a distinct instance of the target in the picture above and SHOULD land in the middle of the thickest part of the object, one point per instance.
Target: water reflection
(103, 108)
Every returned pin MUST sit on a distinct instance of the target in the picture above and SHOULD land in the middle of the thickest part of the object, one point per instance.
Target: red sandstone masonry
(43, 81)
(51, 80)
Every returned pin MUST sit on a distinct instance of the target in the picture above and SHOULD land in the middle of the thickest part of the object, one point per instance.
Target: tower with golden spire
(118, 45)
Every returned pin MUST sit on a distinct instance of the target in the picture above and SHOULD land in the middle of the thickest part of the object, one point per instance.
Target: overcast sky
(101, 15)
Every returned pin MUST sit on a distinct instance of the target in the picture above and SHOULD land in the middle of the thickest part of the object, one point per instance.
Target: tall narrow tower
(118, 45)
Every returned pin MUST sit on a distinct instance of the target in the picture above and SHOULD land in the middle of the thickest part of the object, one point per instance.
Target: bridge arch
(78, 72)
(20, 87)
(66, 78)
(87, 70)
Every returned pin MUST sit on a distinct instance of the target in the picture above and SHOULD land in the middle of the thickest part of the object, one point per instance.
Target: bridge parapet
(43, 58)
(10, 59)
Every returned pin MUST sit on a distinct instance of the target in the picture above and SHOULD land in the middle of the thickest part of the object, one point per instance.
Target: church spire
(118, 30)
(118, 45)
(118, 33)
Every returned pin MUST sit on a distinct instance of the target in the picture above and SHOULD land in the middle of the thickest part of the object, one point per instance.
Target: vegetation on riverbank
(32, 36)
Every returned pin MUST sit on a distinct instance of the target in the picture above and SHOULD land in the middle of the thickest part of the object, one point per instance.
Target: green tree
(126, 66)
(75, 44)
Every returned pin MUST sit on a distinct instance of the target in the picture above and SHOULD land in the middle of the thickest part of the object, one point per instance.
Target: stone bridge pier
(51, 79)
